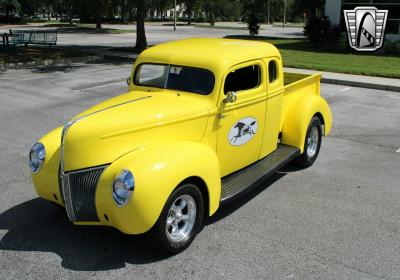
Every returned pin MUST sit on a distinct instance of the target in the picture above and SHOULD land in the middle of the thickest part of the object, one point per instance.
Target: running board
(248, 177)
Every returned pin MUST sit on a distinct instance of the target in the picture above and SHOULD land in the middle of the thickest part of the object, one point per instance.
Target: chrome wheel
(181, 218)
(312, 142)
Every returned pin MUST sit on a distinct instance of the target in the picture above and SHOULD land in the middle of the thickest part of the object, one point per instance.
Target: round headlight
(123, 187)
(36, 157)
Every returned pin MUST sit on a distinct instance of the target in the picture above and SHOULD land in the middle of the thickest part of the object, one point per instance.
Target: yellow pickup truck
(203, 122)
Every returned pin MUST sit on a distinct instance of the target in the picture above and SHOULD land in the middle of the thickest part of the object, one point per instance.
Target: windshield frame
(137, 83)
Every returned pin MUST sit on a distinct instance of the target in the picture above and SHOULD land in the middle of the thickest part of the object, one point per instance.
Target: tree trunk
(189, 12)
(141, 42)
(99, 14)
(8, 14)
(71, 15)
(189, 17)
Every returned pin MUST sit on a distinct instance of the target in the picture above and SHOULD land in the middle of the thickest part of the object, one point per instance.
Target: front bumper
(87, 197)
(93, 204)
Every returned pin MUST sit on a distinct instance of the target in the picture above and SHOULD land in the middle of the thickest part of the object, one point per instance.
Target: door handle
(220, 116)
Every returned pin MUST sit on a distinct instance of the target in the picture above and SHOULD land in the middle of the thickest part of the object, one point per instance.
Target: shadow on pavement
(39, 226)
(229, 208)
(65, 68)
(71, 67)
(88, 30)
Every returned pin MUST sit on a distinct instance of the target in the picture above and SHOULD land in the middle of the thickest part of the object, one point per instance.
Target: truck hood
(128, 122)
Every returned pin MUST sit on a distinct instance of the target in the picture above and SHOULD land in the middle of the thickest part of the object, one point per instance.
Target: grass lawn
(86, 28)
(131, 50)
(299, 53)
(370, 65)
(290, 24)
(223, 27)
(29, 54)
(91, 29)
(42, 20)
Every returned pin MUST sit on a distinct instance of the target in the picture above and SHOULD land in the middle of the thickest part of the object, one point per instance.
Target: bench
(32, 37)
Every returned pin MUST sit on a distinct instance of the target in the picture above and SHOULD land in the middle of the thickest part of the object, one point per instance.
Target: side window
(272, 71)
(243, 79)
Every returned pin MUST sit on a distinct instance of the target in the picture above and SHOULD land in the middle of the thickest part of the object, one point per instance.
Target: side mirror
(128, 81)
(231, 97)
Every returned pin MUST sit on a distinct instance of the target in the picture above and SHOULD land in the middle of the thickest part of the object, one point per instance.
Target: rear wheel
(312, 144)
(180, 220)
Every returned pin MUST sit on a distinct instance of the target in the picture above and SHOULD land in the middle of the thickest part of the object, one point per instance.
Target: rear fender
(299, 116)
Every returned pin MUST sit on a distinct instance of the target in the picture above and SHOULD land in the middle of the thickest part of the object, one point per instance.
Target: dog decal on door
(242, 131)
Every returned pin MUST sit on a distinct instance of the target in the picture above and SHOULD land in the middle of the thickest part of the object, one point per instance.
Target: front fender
(46, 180)
(158, 170)
(299, 116)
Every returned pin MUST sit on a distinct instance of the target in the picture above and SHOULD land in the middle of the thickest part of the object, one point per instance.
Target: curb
(360, 84)
(118, 58)
(7, 66)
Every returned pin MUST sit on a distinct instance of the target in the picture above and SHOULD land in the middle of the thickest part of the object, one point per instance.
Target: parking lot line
(102, 86)
(345, 89)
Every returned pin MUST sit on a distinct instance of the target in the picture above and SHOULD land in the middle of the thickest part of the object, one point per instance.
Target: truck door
(274, 113)
(241, 123)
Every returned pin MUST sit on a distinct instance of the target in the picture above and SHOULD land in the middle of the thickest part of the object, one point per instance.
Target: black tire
(160, 235)
(58, 206)
(308, 157)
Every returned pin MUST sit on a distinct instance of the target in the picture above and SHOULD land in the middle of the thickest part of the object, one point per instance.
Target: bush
(253, 14)
(320, 31)
(390, 47)
(342, 43)
(253, 26)
(211, 19)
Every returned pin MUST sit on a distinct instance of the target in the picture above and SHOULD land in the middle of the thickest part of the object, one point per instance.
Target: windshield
(182, 78)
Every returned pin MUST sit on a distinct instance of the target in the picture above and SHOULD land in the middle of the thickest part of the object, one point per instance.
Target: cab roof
(210, 53)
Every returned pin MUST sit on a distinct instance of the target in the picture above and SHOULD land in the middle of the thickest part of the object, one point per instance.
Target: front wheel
(180, 220)
(312, 144)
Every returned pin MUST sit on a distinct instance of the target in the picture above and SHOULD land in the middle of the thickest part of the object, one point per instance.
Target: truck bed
(293, 79)
(296, 87)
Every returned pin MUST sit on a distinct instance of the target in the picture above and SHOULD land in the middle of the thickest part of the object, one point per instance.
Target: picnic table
(9, 39)
(30, 37)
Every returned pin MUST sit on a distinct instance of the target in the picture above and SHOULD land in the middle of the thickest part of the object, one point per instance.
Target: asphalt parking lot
(338, 219)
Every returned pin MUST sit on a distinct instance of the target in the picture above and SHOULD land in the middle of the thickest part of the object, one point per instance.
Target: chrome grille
(79, 191)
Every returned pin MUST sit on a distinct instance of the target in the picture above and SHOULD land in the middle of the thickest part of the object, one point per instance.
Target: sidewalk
(353, 80)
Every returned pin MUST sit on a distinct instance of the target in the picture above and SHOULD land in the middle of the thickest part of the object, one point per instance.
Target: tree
(190, 7)
(254, 12)
(311, 8)
(220, 9)
(141, 42)
(9, 5)
(99, 13)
